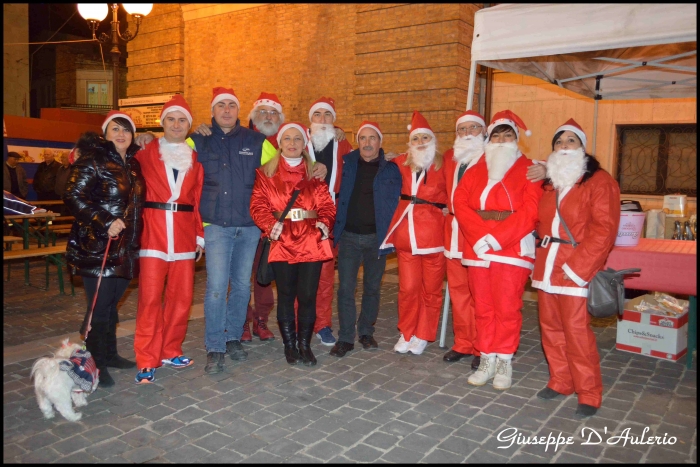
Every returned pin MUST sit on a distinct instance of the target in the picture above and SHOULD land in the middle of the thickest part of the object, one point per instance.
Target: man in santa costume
(417, 233)
(496, 209)
(589, 205)
(467, 151)
(328, 151)
(172, 239)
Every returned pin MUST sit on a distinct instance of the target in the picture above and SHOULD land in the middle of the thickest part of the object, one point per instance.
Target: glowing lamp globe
(93, 11)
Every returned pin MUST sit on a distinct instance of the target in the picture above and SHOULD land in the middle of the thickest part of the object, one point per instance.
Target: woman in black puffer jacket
(105, 192)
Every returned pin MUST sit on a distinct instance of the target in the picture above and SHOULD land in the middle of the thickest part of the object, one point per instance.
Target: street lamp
(94, 13)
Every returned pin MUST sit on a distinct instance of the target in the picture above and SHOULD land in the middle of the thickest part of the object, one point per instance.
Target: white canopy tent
(602, 51)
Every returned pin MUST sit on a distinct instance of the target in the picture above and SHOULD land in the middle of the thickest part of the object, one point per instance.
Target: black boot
(113, 359)
(306, 330)
(289, 337)
(96, 344)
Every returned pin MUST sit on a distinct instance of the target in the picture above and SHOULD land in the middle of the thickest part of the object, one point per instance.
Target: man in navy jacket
(369, 193)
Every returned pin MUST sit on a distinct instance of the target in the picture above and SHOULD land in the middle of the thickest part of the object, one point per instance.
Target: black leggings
(111, 291)
(296, 281)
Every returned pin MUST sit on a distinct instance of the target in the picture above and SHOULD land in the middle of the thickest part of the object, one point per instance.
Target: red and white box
(657, 336)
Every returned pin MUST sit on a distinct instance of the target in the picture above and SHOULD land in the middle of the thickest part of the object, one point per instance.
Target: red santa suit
(592, 214)
(417, 233)
(463, 321)
(497, 276)
(324, 295)
(168, 248)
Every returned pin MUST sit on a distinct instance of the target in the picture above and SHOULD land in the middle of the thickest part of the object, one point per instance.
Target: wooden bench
(64, 225)
(53, 254)
(8, 240)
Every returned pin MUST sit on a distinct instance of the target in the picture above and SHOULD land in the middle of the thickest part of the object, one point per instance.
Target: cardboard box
(657, 336)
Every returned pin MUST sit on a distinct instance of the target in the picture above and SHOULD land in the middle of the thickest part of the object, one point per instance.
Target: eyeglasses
(271, 113)
(470, 129)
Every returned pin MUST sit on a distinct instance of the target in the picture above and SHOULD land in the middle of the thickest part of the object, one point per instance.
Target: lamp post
(95, 13)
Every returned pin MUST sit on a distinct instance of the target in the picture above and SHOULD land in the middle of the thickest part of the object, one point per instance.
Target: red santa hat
(114, 114)
(270, 99)
(470, 116)
(506, 117)
(325, 103)
(574, 127)
(176, 104)
(304, 132)
(219, 94)
(372, 125)
(419, 125)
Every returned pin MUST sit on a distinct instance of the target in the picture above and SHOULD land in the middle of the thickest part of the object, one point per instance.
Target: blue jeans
(229, 253)
(355, 250)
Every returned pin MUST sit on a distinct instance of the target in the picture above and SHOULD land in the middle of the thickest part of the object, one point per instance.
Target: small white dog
(66, 378)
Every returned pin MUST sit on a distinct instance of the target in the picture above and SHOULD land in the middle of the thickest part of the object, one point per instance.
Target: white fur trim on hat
(223, 96)
(271, 103)
(286, 126)
(367, 125)
(581, 135)
(470, 118)
(174, 108)
(510, 123)
(321, 105)
(106, 122)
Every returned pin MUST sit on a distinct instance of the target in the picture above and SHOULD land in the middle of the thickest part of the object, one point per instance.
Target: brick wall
(68, 63)
(156, 56)
(378, 62)
(15, 96)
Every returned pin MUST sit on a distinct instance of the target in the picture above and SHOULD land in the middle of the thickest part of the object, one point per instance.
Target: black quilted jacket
(100, 189)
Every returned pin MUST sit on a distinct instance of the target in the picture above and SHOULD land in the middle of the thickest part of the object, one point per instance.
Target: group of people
(482, 213)
(49, 182)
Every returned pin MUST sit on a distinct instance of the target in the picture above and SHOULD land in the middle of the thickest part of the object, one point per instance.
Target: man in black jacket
(45, 178)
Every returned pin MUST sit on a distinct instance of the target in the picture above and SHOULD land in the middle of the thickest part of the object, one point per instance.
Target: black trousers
(111, 291)
(296, 281)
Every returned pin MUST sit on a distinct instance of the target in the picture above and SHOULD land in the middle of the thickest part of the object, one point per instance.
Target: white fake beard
(420, 157)
(565, 167)
(321, 135)
(467, 148)
(176, 156)
(267, 127)
(500, 157)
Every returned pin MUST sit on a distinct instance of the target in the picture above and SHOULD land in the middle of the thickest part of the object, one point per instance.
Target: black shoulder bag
(264, 275)
(606, 291)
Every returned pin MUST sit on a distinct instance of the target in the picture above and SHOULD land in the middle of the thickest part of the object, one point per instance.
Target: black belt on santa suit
(544, 242)
(417, 200)
(169, 206)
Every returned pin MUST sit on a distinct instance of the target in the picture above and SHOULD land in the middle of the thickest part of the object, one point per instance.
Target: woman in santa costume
(172, 238)
(300, 242)
(588, 201)
(417, 233)
(496, 209)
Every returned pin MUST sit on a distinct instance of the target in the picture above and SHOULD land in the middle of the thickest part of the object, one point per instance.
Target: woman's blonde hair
(270, 167)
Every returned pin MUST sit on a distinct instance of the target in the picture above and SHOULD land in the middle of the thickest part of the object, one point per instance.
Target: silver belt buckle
(173, 207)
(545, 241)
(296, 214)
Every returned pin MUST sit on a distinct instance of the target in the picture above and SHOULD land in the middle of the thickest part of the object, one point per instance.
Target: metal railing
(96, 109)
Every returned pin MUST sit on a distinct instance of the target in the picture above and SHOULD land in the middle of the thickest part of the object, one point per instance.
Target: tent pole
(595, 125)
(472, 82)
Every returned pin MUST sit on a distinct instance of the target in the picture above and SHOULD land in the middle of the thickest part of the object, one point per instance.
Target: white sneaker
(486, 370)
(402, 345)
(504, 375)
(417, 346)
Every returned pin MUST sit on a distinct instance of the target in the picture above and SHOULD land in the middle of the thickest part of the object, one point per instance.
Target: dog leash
(99, 281)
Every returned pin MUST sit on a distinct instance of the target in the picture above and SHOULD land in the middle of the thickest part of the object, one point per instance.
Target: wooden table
(667, 266)
(41, 232)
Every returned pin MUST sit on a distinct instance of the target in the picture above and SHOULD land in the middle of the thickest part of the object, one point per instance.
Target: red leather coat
(512, 238)
(418, 228)
(300, 241)
(454, 240)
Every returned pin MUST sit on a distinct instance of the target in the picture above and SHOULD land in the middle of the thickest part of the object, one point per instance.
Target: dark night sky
(46, 18)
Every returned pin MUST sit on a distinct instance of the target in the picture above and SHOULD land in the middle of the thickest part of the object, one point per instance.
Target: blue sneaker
(326, 336)
(145, 376)
(177, 362)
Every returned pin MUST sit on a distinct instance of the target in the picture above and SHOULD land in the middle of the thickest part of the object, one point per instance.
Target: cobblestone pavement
(370, 406)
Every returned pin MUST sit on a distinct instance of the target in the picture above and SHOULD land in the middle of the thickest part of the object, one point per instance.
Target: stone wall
(15, 75)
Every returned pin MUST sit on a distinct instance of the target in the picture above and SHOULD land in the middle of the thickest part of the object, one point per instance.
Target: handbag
(264, 275)
(606, 291)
